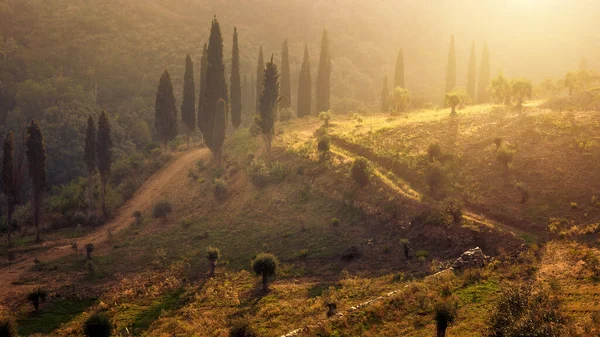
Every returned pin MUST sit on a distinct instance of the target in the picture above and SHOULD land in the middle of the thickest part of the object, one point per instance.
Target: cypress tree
(203, 68)
(103, 151)
(220, 127)
(451, 68)
(286, 93)
(36, 158)
(385, 92)
(165, 116)
(8, 179)
(252, 97)
(471, 73)
(483, 95)
(216, 88)
(399, 79)
(324, 76)
(304, 86)
(260, 74)
(188, 103)
(268, 106)
(236, 89)
(90, 160)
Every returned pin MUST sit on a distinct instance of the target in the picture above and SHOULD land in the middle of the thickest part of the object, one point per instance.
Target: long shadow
(144, 319)
(52, 316)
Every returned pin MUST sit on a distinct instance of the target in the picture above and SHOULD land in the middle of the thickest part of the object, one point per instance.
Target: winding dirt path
(143, 200)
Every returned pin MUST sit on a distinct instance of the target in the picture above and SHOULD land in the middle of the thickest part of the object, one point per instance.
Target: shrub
(258, 173)
(505, 156)
(212, 255)
(277, 172)
(138, 217)
(220, 189)
(241, 328)
(8, 328)
(351, 253)
(200, 165)
(434, 150)
(325, 116)
(162, 209)
(361, 171)
(265, 264)
(523, 190)
(454, 209)
(36, 297)
(89, 249)
(303, 254)
(324, 143)
(335, 222)
(498, 142)
(435, 177)
(422, 254)
(98, 325)
(79, 218)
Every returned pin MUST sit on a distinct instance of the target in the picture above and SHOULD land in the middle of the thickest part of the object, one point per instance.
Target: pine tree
(236, 89)
(202, 92)
(260, 74)
(103, 151)
(324, 76)
(90, 161)
(8, 179)
(385, 93)
(165, 116)
(36, 158)
(286, 94)
(471, 73)
(188, 103)
(399, 79)
(268, 106)
(216, 89)
(305, 86)
(451, 68)
(483, 95)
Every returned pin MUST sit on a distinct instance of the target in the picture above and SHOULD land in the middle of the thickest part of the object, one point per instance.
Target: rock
(470, 259)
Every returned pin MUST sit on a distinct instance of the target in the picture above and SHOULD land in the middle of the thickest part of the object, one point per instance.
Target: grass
(52, 316)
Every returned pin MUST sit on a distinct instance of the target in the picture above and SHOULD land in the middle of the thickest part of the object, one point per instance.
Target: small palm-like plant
(89, 249)
(405, 247)
(8, 328)
(265, 265)
(98, 325)
(445, 315)
(36, 297)
(212, 255)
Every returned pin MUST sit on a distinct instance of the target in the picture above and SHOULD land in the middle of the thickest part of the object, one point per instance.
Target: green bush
(324, 143)
(162, 209)
(8, 328)
(351, 253)
(220, 189)
(335, 222)
(422, 254)
(454, 209)
(98, 325)
(361, 171)
(241, 328)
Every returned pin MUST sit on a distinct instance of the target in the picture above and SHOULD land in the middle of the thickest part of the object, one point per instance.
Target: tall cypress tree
(304, 86)
(451, 68)
(165, 113)
(324, 76)
(252, 97)
(103, 151)
(8, 179)
(399, 78)
(260, 74)
(483, 94)
(90, 160)
(202, 92)
(385, 92)
(471, 73)
(188, 103)
(268, 106)
(216, 88)
(286, 93)
(220, 127)
(36, 159)
(236, 88)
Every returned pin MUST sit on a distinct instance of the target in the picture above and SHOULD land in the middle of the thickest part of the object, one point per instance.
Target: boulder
(470, 259)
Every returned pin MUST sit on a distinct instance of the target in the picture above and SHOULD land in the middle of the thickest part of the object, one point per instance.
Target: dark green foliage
(260, 75)
(104, 149)
(8, 179)
(216, 89)
(241, 328)
(162, 209)
(36, 297)
(324, 76)
(399, 99)
(454, 209)
(265, 119)
(324, 143)
(8, 328)
(286, 93)
(351, 253)
(445, 315)
(483, 95)
(202, 92)
(305, 86)
(36, 158)
(90, 160)
(361, 171)
(471, 73)
(220, 189)
(188, 103)
(523, 311)
(98, 325)
(212, 255)
(451, 68)
(385, 94)
(165, 116)
(236, 86)
(399, 78)
(265, 264)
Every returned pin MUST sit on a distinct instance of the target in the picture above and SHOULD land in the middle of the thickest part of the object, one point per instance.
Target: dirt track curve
(143, 200)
